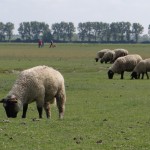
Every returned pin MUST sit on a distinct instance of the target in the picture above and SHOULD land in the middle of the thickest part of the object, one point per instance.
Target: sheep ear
(3, 100)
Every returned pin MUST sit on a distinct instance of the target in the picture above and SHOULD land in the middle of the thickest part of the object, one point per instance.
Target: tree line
(67, 32)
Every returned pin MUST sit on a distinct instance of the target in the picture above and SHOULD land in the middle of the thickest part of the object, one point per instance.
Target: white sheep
(119, 53)
(108, 57)
(100, 54)
(41, 84)
(142, 67)
(125, 63)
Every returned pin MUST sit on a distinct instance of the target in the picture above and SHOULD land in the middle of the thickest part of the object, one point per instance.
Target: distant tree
(31, 30)
(89, 30)
(144, 38)
(27, 30)
(137, 29)
(107, 32)
(38, 27)
(56, 31)
(82, 31)
(9, 30)
(95, 30)
(2, 31)
(23, 30)
(128, 31)
(104, 32)
(121, 31)
(70, 31)
(63, 31)
(47, 36)
(149, 30)
(114, 30)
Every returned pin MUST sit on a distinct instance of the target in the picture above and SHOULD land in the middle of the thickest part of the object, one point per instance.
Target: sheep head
(96, 59)
(134, 75)
(110, 74)
(101, 61)
(11, 106)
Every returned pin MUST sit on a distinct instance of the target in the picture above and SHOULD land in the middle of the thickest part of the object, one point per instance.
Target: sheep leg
(142, 76)
(25, 107)
(61, 105)
(47, 109)
(138, 76)
(122, 73)
(147, 75)
(40, 111)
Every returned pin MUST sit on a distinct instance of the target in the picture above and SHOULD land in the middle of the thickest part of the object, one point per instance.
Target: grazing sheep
(108, 57)
(41, 84)
(125, 63)
(100, 54)
(119, 53)
(142, 67)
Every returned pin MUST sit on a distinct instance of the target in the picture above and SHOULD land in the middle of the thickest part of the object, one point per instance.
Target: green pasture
(101, 114)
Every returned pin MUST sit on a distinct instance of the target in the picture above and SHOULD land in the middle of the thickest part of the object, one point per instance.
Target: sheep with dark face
(126, 63)
(100, 54)
(108, 57)
(143, 67)
(41, 84)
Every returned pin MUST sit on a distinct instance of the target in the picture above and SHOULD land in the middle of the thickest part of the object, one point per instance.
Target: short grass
(100, 113)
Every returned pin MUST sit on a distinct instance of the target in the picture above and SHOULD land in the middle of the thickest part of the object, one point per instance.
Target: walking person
(52, 44)
(40, 43)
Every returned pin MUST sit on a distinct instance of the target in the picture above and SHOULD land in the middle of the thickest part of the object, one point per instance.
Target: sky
(76, 11)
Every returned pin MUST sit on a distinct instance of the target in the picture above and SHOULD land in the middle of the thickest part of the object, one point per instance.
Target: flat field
(101, 114)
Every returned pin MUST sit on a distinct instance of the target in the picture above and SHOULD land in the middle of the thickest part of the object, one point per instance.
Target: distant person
(52, 44)
(40, 43)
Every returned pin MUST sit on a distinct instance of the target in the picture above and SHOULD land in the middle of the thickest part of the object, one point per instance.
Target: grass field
(101, 114)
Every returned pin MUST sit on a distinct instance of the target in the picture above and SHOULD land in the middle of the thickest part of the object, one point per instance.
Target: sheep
(112, 55)
(100, 54)
(125, 63)
(142, 67)
(108, 57)
(119, 53)
(41, 84)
